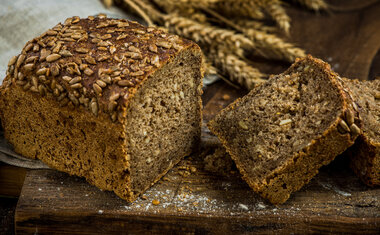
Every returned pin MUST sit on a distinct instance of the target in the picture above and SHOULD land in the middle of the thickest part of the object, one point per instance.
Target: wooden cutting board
(192, 200)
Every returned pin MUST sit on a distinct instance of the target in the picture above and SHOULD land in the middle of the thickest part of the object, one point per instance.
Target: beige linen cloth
(22, 20)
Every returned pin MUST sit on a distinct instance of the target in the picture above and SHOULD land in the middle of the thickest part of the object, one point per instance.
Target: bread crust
(299, 169)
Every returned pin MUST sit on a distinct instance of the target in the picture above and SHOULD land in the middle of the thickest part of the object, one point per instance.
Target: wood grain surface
(192, 200)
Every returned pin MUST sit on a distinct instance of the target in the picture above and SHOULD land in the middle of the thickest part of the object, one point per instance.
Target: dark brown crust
(116, 51)
(300, 168)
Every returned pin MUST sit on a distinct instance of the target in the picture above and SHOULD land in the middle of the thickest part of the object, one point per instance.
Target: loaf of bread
(283, 131)
(365, 153)
(109, 100)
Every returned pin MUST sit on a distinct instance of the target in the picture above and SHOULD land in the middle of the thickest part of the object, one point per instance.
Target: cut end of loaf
(283, 131)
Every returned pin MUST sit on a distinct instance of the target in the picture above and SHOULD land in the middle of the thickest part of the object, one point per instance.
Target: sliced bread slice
(283, 131)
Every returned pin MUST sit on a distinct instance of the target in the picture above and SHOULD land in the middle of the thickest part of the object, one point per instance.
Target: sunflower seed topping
(88, 71)
(53, 57)
(343, 127)
(125, 83)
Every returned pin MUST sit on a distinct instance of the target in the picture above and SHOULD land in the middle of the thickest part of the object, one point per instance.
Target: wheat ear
(274, 47)
(278, 13)
(237, 70)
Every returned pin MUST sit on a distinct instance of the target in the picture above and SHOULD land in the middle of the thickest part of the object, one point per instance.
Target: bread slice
(106, 99)
(283, 131)
(365, 153)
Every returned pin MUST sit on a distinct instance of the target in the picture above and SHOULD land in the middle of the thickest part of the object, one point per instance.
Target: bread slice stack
(283, 131)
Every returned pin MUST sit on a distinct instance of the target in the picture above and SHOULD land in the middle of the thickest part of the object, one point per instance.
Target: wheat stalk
(236, 69)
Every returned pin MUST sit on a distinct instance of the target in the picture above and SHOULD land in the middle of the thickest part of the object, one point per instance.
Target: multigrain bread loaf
(365, 153)
(283, 131)
(109, 100)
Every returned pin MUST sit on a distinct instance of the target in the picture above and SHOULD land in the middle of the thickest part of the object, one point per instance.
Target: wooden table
(200, 202)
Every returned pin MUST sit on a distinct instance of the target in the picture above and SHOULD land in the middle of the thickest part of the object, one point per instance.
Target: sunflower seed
(155, 60)
(51, 32)
(377, 95)
(34, 89)
(73, 99)
(61, 96)
(12, 61)
(75, 80)
(355, 130)
(112, 49)
(34, 81)
(137, 73)
(20, 76)
(101, 83)
(54, 69)
(28, 67)
(106, 36)
(350, 116)
(94, 106)
(163, 43)
(134, 49)
(152, 48)
(36, 47)
(42, 89)
(125, 83)
(106, 78)
(31, 59)
(20, 59)
(53, 57)
(65, 53)
(97, 88)
(344, 127)
(90, 59)
(76, 86)
(133, 55)
(41, 71)
(44, 53)
(88, 71)
(114, 96)
(122, 24)
(67, 78)
(103, 58)
(112, 105)
(81, 50)
(75, 20)
(28, 47)
(122, 36)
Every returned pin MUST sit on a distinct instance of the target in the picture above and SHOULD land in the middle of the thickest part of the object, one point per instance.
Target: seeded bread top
(95, 62)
